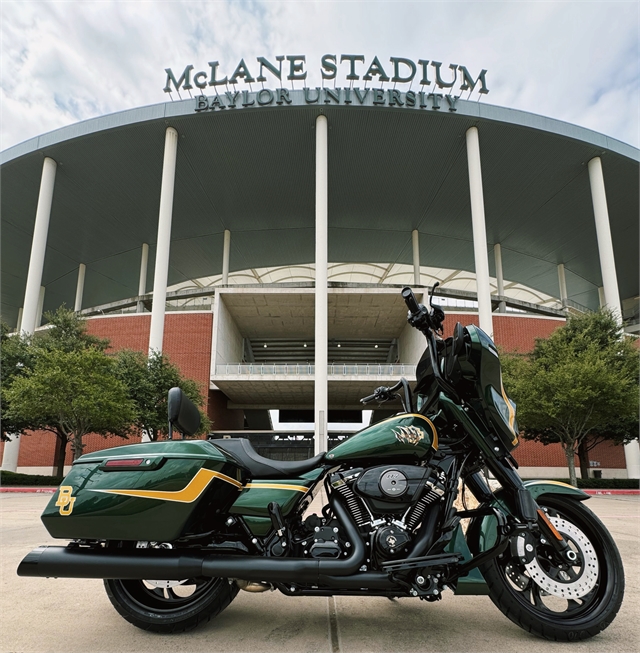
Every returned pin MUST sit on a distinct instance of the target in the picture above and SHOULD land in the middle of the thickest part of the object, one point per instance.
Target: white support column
(82, 269)
(322, 263)
(11, 453)
(163, 246)
(19, 321)
(632, 456)
(40, 307)
(479, 231)
(34, 282)
(562, 283)
(226, 250)
(609, 278)
(142, 281)
(605, 244)
(38, 246)
(497, 253)
(602, 302)
(415, 241)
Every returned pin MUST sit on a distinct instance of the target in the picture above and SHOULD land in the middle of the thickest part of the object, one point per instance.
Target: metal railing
(302, 369)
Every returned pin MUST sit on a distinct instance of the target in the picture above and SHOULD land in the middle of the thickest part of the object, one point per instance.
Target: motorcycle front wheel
(560, 601)
(170, 606)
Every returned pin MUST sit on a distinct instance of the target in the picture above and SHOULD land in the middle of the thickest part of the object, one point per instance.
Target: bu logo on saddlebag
(65, 500)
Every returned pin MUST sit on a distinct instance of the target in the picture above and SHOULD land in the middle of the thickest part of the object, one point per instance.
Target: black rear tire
(171, 609)
(529, 606)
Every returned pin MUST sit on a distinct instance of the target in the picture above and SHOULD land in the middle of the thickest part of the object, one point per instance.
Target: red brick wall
(223, 418)
(37, 449)
(187, 339)
(534, 454)
(513, 333)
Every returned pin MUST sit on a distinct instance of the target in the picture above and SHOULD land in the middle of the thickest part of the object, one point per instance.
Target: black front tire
(170, 609)
(523, 601)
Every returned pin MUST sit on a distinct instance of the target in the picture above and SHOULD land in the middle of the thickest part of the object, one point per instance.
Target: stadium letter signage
(399, 70)
(326, 95)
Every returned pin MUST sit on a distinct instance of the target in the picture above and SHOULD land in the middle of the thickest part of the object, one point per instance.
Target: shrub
(11, 478)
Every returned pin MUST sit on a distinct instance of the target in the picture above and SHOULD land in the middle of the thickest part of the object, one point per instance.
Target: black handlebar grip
(410, 300)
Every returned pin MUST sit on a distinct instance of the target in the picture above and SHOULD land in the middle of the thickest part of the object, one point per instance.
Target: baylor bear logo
(409, 434)
(65, 500)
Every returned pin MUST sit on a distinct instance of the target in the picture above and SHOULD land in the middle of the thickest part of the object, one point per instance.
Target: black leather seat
(260, 467)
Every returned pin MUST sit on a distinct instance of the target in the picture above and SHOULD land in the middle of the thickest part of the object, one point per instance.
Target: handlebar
(410, 300)
(384, 394)
(427, 322)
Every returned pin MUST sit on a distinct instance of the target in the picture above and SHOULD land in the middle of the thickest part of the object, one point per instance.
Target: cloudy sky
(66, 61)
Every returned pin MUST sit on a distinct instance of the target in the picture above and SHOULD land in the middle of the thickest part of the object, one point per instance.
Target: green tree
(67, 332)
(580, 382)
(72, 393)
(148, 381)
(16, 356)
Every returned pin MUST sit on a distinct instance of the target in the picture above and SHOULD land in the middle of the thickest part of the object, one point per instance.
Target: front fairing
(426, 389)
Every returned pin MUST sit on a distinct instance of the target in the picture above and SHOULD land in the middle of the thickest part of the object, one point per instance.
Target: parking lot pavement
(67, 615)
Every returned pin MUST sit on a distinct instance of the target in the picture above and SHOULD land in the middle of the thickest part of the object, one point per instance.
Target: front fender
(538, 488)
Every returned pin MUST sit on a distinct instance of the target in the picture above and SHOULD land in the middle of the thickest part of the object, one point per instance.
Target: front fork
(519, 501)
(521, 505)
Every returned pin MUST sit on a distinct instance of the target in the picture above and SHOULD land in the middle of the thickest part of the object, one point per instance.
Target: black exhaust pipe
(80, 562)
(168, 564)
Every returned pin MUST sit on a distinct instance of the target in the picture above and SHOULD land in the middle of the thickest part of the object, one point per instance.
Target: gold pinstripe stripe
(277, 486)
(188, 494)
(552, 483)
(512, 413)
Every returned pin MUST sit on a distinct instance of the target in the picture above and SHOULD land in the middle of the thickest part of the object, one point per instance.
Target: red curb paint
(37, 490)
(603, 491)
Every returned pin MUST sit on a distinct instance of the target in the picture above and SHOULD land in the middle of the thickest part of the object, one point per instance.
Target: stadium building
(261, 240)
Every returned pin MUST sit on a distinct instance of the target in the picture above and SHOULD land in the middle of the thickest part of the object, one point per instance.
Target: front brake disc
(562, 585)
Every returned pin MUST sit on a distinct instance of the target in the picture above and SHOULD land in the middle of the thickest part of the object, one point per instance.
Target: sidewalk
(68, 615)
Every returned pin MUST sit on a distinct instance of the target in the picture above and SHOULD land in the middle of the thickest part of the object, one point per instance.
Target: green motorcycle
(177, 528)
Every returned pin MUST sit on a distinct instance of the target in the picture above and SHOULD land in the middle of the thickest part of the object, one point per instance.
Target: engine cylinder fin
(418, 510)
(353, 504)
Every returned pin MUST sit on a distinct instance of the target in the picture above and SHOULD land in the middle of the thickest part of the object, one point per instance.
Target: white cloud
(67, 61)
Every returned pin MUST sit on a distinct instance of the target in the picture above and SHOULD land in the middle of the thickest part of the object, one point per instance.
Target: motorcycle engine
(389, 502)
(323, 538)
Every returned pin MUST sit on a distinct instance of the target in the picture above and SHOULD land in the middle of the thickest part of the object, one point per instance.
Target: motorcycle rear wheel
(167, 606)
(598, 576)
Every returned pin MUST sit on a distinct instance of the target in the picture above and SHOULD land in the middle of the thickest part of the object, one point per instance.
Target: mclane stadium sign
(405, 71)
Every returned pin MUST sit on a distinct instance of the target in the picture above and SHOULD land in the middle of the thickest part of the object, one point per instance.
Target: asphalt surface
(67, 615)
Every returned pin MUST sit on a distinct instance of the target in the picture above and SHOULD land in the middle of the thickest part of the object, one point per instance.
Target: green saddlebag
(152, 491)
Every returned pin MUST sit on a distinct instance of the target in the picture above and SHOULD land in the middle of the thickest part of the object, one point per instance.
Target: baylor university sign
(293, 68)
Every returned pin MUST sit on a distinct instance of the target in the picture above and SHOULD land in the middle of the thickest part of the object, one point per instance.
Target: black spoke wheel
(170, 606)
(552, 597)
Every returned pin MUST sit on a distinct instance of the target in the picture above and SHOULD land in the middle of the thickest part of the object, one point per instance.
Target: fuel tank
(407, 435)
